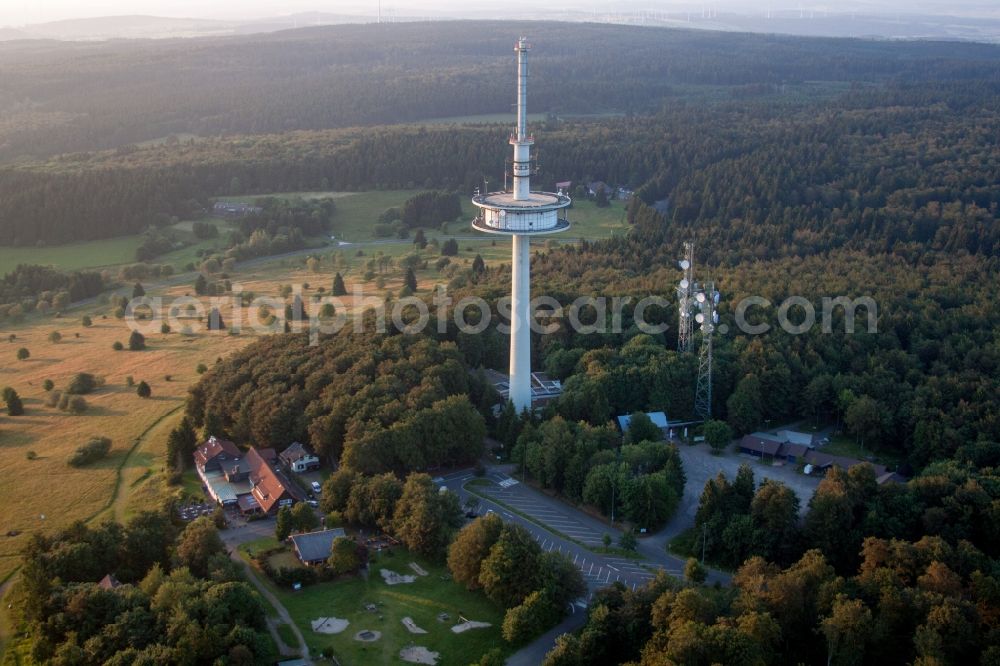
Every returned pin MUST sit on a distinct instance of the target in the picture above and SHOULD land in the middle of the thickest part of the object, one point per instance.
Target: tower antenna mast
(685, 300)
(707, 301)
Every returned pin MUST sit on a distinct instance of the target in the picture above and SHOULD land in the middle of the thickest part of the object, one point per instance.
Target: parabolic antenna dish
(684, 283)
(699, 318)
(700, 298)
(685, 264)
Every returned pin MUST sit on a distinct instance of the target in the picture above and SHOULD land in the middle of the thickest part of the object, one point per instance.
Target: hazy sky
(20, 12)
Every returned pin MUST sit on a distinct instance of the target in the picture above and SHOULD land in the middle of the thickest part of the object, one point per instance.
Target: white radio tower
(685, 300)
(521, 214)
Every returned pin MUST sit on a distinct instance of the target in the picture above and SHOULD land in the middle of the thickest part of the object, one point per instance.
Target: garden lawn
(421, 600)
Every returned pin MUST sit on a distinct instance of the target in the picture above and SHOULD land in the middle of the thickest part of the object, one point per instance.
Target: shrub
(117, 346)
(92, 451)
(201, 369)
(164, 328)
(55, 336)
(31, 455)
(82, 383)
(48, 385)
(86, 321)
(136, 341)
(14, 405)
(77, 405)
(23, 354)
(129, 381)
(344, 557)
(143, 390)
(52, 400)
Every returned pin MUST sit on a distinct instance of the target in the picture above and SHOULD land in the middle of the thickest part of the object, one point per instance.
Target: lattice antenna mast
(685, 300)
(707, 301)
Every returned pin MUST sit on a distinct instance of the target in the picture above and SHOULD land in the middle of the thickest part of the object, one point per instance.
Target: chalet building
(299, 459)
(314, 548)
(248, 480)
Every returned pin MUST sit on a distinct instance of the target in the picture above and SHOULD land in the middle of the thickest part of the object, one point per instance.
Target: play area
(405, 609)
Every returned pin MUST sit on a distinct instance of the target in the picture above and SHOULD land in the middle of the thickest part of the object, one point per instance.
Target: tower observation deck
(521, 213)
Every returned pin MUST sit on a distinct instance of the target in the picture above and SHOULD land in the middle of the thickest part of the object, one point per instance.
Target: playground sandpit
(329, 625)
(412, 627)
(393, 578)
(417, 654)
(469, 624)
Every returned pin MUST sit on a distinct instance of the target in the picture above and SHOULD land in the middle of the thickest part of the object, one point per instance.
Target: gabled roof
(269, 485)
(795, 450)
(213, 448)
(296, 451)
(819, 459)
(767, 447)
(314, 546)
(796, 437)
(109, 582)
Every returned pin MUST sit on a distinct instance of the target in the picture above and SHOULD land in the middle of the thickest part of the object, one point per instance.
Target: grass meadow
(46, 493)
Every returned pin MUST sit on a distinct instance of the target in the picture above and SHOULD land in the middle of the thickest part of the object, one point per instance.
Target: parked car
(313, 503)
(316, 487)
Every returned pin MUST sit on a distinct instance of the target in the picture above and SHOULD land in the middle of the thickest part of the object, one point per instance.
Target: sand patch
(367, 636)
(412, 627)
(417, 654)
(417, 569)
(393, 578)
(329, 625)
(469, 624)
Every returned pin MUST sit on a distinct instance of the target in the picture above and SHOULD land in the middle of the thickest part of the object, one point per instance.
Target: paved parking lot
(547, 511)
(598, 569)
(700, 465)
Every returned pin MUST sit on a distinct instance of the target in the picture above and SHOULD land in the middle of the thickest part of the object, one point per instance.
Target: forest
(904, 573)
(166, 596)
(376, 403)
(68, 97)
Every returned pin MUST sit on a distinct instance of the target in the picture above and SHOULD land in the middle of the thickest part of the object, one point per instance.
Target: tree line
(72, 97)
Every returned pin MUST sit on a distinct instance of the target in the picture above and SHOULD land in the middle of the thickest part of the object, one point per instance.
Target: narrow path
(282, 612)
(120, 499)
